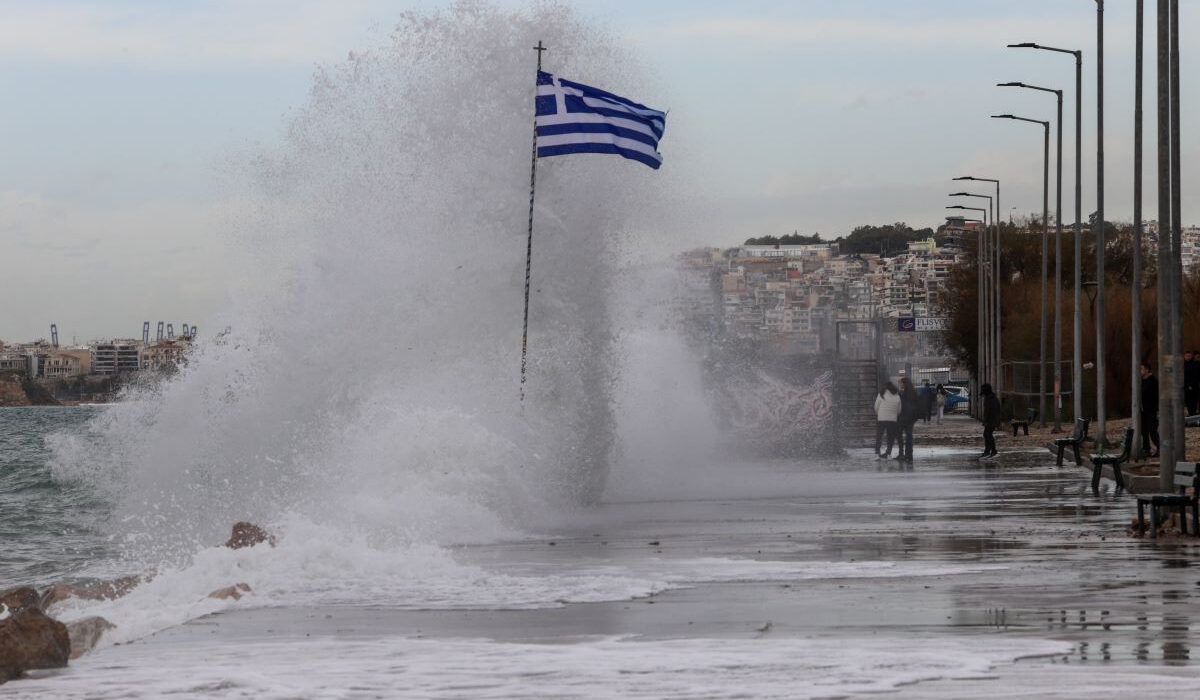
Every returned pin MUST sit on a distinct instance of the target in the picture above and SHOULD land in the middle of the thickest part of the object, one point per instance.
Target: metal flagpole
(529, 241)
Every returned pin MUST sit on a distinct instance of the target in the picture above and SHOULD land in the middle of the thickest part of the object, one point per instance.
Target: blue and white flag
(575, 118)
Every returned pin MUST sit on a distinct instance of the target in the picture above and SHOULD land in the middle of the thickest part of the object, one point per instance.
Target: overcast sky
(119, 119)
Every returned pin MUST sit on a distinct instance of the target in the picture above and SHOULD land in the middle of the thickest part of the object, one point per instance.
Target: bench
(1076, 439)
(1114, 461)
(1187, 475)
(1030, 416)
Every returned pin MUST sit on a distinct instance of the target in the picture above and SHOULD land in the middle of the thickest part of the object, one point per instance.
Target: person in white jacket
(887, 412)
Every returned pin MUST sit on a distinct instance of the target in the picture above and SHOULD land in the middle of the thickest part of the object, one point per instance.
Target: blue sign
(906, 324)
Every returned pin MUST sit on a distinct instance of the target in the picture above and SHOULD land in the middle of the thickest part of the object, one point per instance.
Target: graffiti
(776, 413)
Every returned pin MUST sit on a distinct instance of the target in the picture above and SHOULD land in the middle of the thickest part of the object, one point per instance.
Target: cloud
(205, 33)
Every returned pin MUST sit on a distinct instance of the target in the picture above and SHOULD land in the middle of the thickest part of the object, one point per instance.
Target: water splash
(370, 380)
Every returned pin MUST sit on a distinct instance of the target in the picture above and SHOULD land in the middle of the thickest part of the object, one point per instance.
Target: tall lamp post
(994, 314)
(1057, 259)
(1077, 336)
(1101, 341)
(1135, 283)
(1045, 237)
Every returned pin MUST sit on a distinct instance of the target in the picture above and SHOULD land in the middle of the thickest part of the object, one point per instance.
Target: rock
(85, 633)
(18, 599)
(11, 393)
(32, 640)
(247, 535)
(228, 592)
(106, 590)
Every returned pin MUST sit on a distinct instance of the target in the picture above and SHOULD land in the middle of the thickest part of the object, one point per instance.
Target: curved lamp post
(1077, 351)
(1057, 342)
(1045, 266)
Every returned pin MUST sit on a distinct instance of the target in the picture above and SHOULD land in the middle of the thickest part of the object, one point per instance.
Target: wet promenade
(865, 567)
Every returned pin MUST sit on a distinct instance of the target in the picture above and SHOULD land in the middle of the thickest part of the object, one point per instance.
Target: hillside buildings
(790, 297)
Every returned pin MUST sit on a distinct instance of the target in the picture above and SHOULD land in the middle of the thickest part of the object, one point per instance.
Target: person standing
(1191, 381)
(910, 410)
(991, 420)
(939, 399)
(928, 400)
(1149, 414)
(887, 410)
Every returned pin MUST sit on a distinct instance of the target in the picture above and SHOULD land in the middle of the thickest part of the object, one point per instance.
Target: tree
(794, 238)
(883, 240)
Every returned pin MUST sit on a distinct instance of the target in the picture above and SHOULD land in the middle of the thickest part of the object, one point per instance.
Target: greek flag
(575, 118)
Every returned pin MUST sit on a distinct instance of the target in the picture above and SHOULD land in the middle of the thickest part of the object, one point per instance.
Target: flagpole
(529, 241)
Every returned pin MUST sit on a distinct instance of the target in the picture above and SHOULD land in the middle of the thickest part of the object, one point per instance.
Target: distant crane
(145, 332)
(160, 331)
(54, 334)
(170, 330)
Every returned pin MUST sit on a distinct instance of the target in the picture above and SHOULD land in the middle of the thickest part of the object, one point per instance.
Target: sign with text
(921, 324)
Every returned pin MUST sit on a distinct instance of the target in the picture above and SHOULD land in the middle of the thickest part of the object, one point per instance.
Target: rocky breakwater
(32, 640)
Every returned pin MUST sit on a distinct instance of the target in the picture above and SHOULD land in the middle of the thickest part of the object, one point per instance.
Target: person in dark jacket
(1149, 413)
(991, 420)
(910, 411)
(1191, 382)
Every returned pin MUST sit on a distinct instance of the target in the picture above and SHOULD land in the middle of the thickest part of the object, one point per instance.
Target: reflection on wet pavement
(1072, 572)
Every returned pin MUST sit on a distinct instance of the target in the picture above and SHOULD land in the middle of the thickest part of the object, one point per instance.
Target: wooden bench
(1114, 461)
(1076, 439)
(1030, 416)
(1187, 475)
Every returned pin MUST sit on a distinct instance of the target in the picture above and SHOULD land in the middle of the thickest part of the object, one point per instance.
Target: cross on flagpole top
(539, 48)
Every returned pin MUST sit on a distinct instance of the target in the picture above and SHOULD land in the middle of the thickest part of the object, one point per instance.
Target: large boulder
(17, 599)
(32, 640)
(85, 633)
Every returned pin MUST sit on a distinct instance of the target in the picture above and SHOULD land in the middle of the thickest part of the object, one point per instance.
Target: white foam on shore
(325, 667)
(314, 565)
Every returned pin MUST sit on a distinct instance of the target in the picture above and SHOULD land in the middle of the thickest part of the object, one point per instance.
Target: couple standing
(896, 410)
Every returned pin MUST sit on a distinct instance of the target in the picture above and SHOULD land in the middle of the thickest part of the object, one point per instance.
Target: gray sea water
(47, 527)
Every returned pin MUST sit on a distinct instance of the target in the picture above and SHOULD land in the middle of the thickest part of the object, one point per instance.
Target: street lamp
(1045, 236)
(1077, 354)
(993, 311)
(1057, 257)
